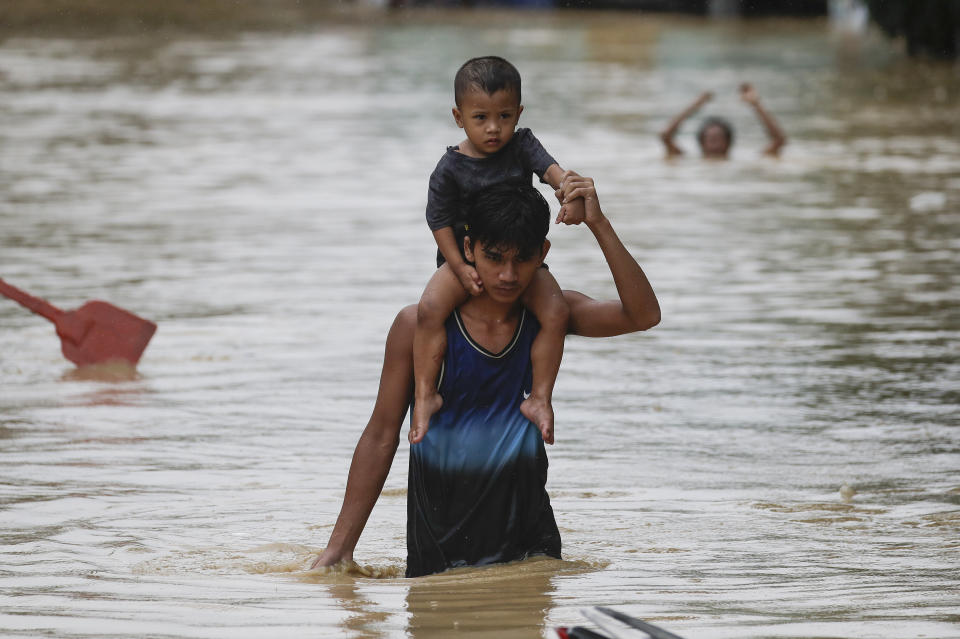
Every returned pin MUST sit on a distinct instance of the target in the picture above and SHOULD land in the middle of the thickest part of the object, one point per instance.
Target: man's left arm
(637, 308)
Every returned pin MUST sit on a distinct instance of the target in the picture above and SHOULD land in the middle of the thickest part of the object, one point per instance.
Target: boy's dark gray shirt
(459, 177)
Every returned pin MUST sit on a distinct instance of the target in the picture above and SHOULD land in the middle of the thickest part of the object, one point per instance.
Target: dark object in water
(579, 632)
(930, 27)
(623, 630)
(95, 333)
(715, 8)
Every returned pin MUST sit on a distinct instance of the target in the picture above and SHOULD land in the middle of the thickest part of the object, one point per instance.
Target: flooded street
(779, 458)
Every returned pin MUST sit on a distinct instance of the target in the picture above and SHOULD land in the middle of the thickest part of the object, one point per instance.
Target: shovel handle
(35, 304)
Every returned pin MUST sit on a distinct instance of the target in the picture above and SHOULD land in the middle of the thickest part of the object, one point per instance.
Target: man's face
(489, 120)
(504, 273)
(715, 143)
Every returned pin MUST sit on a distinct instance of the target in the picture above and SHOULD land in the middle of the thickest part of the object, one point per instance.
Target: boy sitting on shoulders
(487, 95)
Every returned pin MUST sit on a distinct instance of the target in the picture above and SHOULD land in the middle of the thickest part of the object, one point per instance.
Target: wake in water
(294, 560)
(273, 558)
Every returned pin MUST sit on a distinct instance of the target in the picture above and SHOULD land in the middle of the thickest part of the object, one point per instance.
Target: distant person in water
(715, 135)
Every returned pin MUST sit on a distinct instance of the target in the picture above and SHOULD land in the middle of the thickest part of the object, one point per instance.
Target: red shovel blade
(100, 332)
(95, 333)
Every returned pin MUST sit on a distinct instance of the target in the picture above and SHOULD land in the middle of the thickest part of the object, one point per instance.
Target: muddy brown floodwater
(779, 458)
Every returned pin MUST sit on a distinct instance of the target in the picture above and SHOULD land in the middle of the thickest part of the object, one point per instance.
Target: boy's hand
(571, 212)
(469, 278)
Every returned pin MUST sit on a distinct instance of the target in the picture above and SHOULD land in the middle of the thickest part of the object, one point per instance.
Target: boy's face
(488, 119)
(504, 273)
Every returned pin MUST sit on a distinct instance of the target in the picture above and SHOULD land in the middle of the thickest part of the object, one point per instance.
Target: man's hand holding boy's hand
(581, 189)
(469, 278)
(571, 208)
(571, 212)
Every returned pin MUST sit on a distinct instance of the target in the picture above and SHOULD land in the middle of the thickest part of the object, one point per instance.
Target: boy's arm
(668, 133)
(553, 175)
(637, 309)
(442, 202)
(447, 243)
(536, 157)
(378, 443)
(777, 137)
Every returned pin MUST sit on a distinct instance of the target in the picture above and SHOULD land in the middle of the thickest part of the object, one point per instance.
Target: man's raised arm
(637, 309)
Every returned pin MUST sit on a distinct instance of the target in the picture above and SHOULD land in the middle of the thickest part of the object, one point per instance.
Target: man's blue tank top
(477, 481)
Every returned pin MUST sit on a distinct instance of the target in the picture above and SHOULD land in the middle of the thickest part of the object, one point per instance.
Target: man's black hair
(509, 217)
(489, 74)
(715, 121)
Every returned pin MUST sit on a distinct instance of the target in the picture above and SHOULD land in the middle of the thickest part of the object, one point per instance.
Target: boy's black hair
(489, 74)
(715, 121)
(509, 217)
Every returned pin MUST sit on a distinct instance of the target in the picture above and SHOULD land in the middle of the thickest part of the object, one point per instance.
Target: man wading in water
(476, 492)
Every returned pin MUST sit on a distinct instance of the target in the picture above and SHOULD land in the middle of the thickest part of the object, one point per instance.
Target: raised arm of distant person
(668, 134)
(777, 138)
